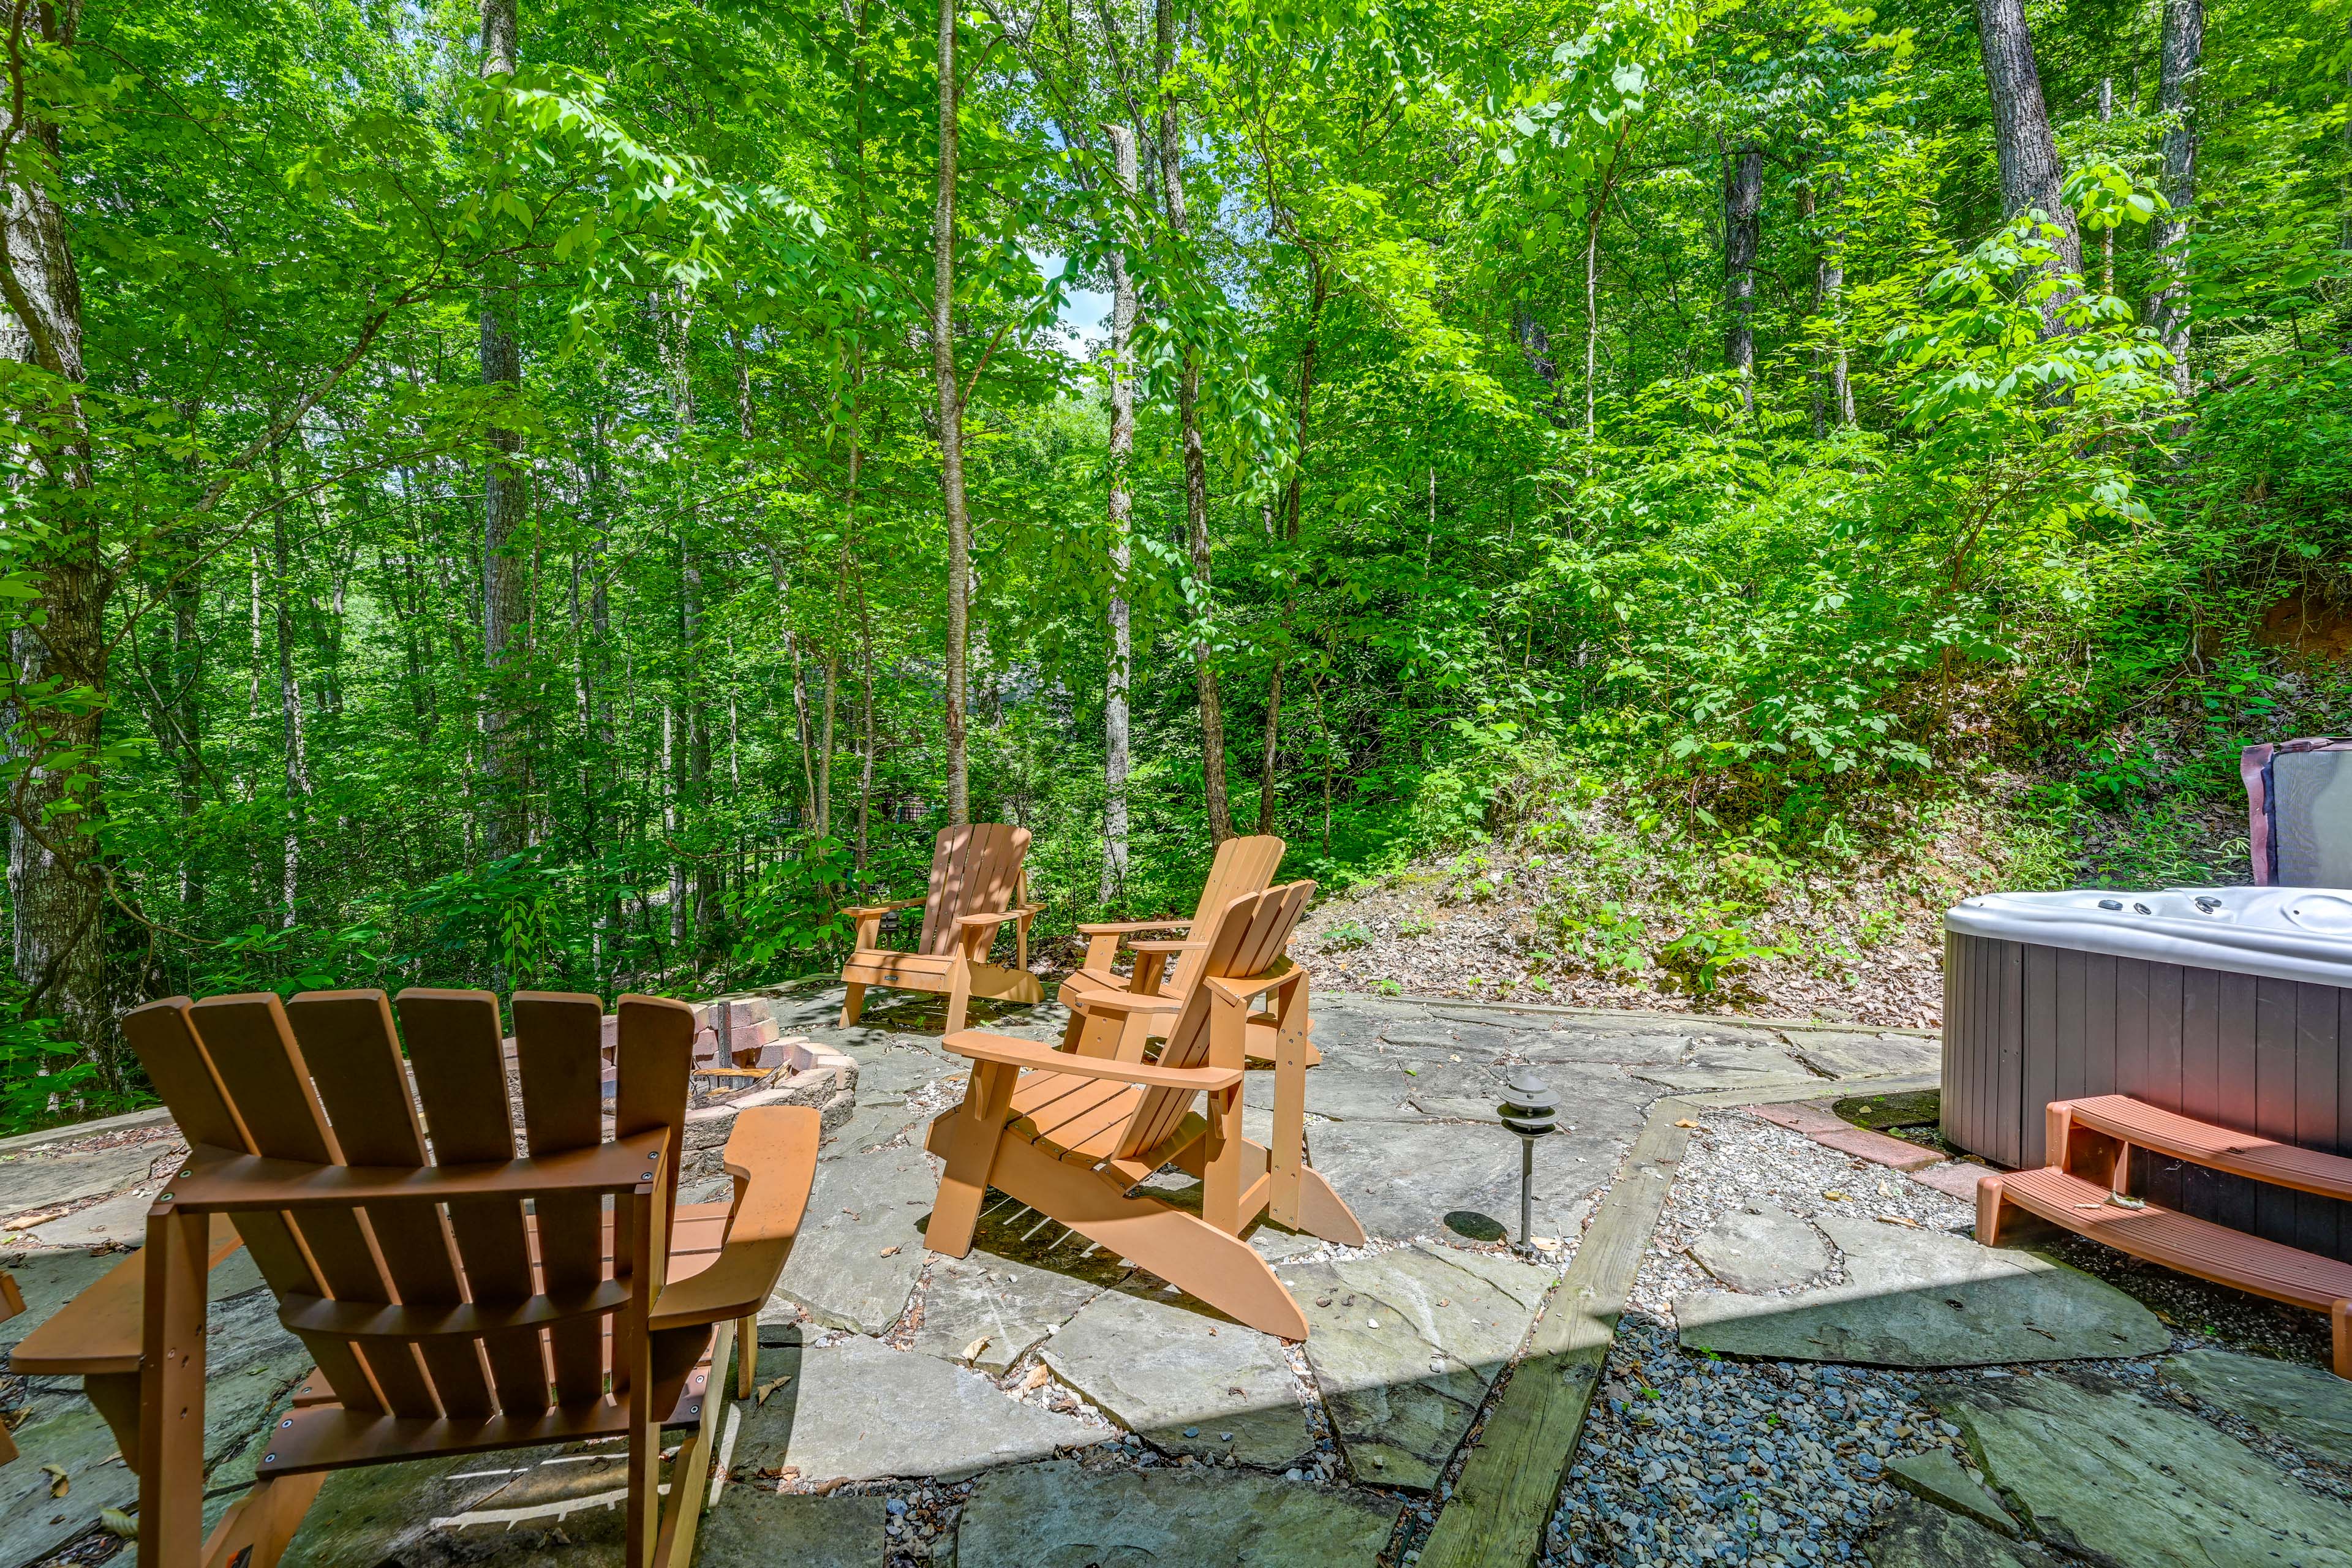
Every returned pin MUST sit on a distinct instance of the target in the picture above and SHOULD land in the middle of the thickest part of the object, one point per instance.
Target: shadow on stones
(1476, 1226)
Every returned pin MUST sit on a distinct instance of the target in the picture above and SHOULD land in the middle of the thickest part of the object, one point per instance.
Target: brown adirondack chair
(1071, 1135)
(1162, 973)
(456, 1300)
(977, 885)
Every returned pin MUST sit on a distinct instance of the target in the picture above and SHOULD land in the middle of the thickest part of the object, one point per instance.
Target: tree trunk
(504, 504)
(951, 410)
(1833, 393)
(1293, 499)
(55, 882)
(2176, 95)
(188, 720)
(1743, 228)
(2108, 235)
(865, 760)
(1121, 510)
(1196, 460)
(2030, 176)
(290, 704)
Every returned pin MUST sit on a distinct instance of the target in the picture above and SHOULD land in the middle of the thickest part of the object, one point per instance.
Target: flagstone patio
(1041, 1402)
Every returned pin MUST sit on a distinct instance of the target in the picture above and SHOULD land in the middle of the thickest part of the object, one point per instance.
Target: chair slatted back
(1248, 942)
(976, 870)
(321, 1080)
(1242, 866)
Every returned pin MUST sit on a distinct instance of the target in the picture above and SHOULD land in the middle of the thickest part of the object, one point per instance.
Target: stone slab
(858, 1410)
(251, 1364)
(1603, 1043)
(1878, 1148)
(384, 1513)
(869, 1127)
(1188, 1382)
(1341, 1092)
(1916, 1534)
(1924, 1297)
(1061, 1515)
(2094, 1467)
(1761, 1248)
(2307, 1406)
(1402, 1179)
(120, 1221)
(30, 1182)
(1937, 1478)
(1404, 1345)
(858, 1253)
(750, 1524)
(1862, 1053)
(1953, 1178)
(48, 1281)
(888, 1073)
(1720, 1058)
(1011, 1305)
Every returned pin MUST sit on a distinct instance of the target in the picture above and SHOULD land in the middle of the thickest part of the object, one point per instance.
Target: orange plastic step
(2177, 1241)
(2220, 1147)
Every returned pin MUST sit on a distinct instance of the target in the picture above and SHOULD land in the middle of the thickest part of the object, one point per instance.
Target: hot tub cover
(2283, 933)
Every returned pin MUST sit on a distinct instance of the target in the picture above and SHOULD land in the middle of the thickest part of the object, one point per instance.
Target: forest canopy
(568, 495)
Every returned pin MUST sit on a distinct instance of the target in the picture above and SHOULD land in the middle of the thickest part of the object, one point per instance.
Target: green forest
(542, 493)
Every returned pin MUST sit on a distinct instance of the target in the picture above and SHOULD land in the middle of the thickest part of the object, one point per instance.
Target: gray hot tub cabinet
(2230, 1005)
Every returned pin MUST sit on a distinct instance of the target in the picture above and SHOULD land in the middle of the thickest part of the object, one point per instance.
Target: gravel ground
(1690, 1460)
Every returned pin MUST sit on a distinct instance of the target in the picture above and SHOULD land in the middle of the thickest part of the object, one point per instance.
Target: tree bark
(2030, 180)
(289, 705)
(1833, 392)
(504, 503)
(55, 882)
(1196, 459)
(1121, 516)
(1294, 497)
(1743, 228)
(951, 410)
(2175, 96)
(2108, 235)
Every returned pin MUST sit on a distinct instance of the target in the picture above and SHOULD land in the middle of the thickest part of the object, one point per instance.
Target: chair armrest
(1167, 946)
(997, 918)
(1281, 977)
(771, 1152)
(1124, 1002)
(1007, 1051)
(861, 910)
(1121, 928)
(98, 1331)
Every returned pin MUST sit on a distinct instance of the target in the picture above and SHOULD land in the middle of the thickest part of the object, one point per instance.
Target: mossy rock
(1885, 1113)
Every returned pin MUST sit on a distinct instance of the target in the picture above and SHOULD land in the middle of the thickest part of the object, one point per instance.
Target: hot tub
(2230, 1005)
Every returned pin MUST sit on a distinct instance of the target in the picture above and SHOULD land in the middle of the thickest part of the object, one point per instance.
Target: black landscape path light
(1531, 1112)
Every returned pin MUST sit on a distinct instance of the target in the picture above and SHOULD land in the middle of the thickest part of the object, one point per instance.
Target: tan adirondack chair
(456, 1300)
(1164, 969)
(977, 885)
(1071, 1135)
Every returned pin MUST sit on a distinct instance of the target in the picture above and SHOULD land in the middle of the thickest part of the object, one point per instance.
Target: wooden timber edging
(1511, 1481)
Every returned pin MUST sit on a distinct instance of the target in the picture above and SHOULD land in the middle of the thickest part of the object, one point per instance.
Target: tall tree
(951, 417)
(1122, 508)
(56, 886)
(1196, 458)
(504, 503)
(1293, 499)
(2031, 179)
(1743, 230)
(2183, 51)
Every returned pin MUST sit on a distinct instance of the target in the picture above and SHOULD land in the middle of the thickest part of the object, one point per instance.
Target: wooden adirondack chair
(457, 1300)
(1071, 1135)
(977, 885)
(1143, 1001)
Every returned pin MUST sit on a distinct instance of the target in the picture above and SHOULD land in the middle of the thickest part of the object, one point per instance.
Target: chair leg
(171, 1392)
(852, 1001)
(747, 1354)
(260, 1525)
(689, 1472)
(959, 991)
(1189, 1253)
(2339, 1322)
(974, 1140)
